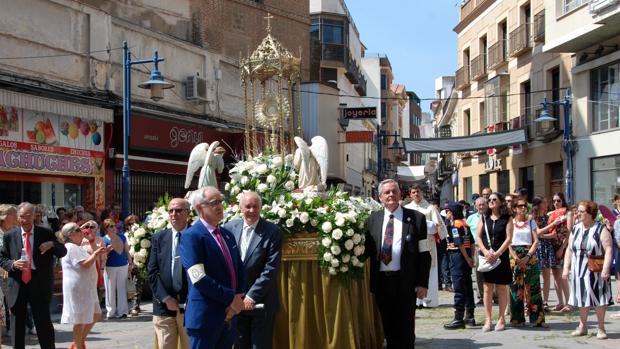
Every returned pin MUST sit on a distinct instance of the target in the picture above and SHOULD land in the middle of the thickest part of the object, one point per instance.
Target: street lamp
(156, 85)
(395, 148)
(567, 135)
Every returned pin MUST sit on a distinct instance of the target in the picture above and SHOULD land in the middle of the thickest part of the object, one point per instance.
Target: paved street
(138, 332)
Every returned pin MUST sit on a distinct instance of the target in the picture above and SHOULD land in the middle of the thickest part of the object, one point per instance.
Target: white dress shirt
(394, 264)
(31, 238)
(246, 237)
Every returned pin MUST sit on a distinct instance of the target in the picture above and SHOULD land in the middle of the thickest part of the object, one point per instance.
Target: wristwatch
(529, 255)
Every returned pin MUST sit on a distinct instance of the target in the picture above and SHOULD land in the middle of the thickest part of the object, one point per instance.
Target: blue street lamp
(567, 143)
(157, 85)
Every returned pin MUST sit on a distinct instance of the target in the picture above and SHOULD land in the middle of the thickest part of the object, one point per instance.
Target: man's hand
(229, 314)
(237, 303)
(421, 292)
(19, 264)
(470, 261)
(248, 304)
(45, 246)
(172, 304)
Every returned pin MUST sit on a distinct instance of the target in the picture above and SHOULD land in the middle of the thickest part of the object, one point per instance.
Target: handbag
(483, 265)
(131, 287)
(595, 263)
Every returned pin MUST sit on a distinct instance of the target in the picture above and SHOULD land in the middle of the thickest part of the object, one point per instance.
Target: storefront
(51, 152)
(158, 152)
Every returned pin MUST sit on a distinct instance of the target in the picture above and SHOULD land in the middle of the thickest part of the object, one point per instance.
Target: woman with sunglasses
(525, 270)
(91, 242)
(80, 305)
(116, 271)
(497, 224)
(589, 289)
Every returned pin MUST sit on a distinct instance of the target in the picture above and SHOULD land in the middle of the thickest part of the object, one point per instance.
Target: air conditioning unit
(196, 89)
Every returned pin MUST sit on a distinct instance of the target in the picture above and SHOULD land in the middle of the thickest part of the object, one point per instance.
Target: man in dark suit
(260, 245)
(399, 264)
(31, 280)
(211, 257)
(168, 279)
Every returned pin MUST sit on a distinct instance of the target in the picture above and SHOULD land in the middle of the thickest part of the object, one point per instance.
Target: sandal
(567, 309)
(558, 307)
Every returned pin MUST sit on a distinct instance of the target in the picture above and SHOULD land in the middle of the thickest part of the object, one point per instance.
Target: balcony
(355, 76)
(462, 77)
(497, 55)
(334, 53)
(479, 67)
(520, 40)
(539, 26)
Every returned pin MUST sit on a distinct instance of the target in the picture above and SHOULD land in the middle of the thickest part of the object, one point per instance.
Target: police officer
(460, 249)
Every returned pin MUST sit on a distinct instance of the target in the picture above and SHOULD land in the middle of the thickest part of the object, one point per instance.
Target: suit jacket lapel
(238, 231)
(212, 240)
(167, 251)
(257, 237)
(378, 230)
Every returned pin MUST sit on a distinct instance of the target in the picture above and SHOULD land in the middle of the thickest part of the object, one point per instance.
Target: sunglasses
(493, 199)
(88, 227)
(521, 206)
(558, 200)
(176, 210)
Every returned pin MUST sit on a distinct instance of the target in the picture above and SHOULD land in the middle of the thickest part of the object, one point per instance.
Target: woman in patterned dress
(545, 254)
(589, 289)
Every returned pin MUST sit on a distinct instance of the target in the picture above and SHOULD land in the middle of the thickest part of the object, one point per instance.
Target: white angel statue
(311, 163)
(209, 158)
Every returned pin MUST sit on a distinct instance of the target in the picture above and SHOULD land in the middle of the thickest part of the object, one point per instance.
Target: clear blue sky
(416, 35)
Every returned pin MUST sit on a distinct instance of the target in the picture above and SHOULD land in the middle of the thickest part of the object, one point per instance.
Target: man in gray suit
(260, 246)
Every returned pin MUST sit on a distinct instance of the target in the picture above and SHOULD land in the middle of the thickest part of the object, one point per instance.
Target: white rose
(326, 241)
(262, 169)
(335, 263)
(290, 223)
(314, 222)
(327, 257)
(235, 190)
(358, 250)
(145, 243)
(282, 213)
(132, 252)
(143, 252)
(227, 186)
(335, 250)
(361, 225)
(349, 244)
(131, 241)
(140, 232)
(354, 261)
(337, 234)
(350, 232)
(261, 188)
(289, 185)
(357, 238)
(332, 271)
(276, 161)
(304, 217)
(271, 179)
(346, 258)
(344, 269)
(340, 221)
(138, 264)
(327, 227)
(245, 180)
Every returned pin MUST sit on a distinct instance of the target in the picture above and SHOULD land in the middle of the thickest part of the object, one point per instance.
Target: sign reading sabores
(360, 113)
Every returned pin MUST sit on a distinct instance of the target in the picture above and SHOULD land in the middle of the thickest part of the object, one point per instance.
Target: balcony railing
(462, 77)
(520, 40)
(539, 26)
(334, 52)
(479, 67)
(497, 54)
(469, 6)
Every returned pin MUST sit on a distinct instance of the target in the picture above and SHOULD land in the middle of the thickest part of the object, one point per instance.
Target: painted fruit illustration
(42, 133)
(96, 138)
(64, 128)
(39, 126)
(73, 131)
(93, 126)
(48, 131)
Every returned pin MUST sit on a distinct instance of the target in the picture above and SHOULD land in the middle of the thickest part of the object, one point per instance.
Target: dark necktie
(177, 270)
(388, 237)
(226, 253)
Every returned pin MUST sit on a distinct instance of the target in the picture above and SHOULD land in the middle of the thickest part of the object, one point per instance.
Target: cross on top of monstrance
(268, 76)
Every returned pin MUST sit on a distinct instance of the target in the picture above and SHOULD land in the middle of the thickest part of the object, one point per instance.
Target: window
(467, 186)
(569, 5)
(502, 29)
(556, 170)
(329, 75)
(526, 107)
(482, 116)
(605, 96)
(384, 82)
(483, 48)
(383, 110)
(333, 32)
(466, 123)
(496, 98)
(605, 179)
(527, 179)
(484, 182)
(503, 181)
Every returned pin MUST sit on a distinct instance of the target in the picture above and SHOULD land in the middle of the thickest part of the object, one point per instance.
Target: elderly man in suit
(168, 279)
(399, 264)
(211, 257)
(260, 245)
(30, 281)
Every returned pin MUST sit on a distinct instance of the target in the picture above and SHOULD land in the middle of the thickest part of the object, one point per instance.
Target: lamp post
(395, 148)
(156, 85)
(567, 144)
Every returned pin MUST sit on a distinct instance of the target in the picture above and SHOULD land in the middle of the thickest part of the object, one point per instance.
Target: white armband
(196, 272)
(423, 246)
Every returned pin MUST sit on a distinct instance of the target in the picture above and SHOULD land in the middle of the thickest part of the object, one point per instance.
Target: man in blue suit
(260, 244)
(211, 257)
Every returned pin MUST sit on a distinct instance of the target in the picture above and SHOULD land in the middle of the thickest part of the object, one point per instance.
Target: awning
(467, 143)
(411, 173)
(54, 106)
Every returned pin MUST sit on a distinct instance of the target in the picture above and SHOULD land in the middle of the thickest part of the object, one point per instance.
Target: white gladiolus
(145, 243)
(245, 180)
(327, 227)
(327, 257)
(337, 234)
(349, 244)
(346, 258)
(290, 223)
(289, 185)
(335, 250)
(304, 217)
(340, 221)
(332, 271)
(314, 222)
(358, 250)
(282, 213)
(335, 263)
(350, 232)
(261, 188)
(344, 269)
(357, 238)
(271, 179)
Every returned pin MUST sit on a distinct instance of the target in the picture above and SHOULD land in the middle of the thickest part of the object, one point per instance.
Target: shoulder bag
(483, 265)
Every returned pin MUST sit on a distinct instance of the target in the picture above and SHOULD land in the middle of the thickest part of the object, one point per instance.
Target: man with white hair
(260, 245)
(211, 257)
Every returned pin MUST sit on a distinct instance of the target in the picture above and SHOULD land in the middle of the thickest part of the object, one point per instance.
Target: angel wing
(205, 167)
(196, 161)
(319, 151)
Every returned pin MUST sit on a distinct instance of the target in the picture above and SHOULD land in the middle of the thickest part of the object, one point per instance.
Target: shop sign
(26, 161)
(359, 137)
(493, 164)
(360, 113)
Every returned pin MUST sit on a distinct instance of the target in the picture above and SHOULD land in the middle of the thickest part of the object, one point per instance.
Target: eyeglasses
(176, 210)
(213, 202)
(89, 227)
(558, 200)
(521, 206)
(493, 199)
(581, 211)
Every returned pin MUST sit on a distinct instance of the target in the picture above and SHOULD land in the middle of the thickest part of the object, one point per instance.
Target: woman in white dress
(79, 286)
